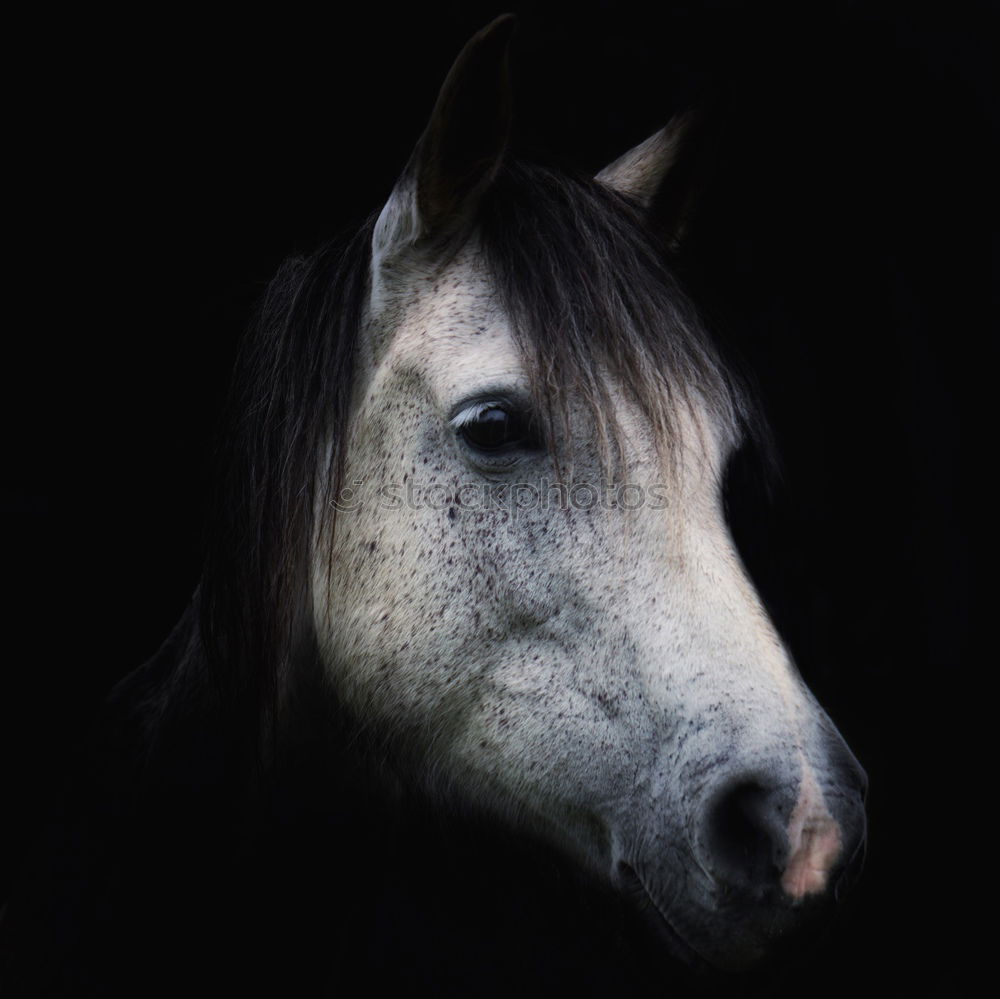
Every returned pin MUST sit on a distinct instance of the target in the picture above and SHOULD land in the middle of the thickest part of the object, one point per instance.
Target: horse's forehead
(453, 331)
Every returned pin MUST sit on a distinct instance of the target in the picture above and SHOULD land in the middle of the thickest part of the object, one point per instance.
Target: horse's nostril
(743, 836)
(761, 838)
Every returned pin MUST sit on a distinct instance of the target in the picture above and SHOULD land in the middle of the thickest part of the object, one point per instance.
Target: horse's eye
(494, 428)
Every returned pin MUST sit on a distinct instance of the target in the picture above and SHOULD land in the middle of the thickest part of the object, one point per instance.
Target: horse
(468, 558)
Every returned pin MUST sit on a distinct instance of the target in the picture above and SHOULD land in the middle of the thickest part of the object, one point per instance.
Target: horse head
(522, 571)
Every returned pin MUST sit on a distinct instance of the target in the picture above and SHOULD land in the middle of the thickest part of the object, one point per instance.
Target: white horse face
(583, 656)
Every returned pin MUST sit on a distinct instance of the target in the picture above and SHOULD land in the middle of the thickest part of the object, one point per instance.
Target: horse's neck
(193, 745)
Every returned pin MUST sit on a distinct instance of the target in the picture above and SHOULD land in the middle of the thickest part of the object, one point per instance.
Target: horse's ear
(460, 151)
(665, 174)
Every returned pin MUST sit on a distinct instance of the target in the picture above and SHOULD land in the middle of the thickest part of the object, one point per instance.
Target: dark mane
(290, 396)
(585, 283)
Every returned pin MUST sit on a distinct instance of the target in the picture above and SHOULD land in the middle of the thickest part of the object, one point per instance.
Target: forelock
(594, 305)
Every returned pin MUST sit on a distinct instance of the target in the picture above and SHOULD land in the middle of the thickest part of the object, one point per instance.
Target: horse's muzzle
(771, 859)
(786, 843)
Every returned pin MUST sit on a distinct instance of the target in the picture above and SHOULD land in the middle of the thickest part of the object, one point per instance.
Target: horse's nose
(762, 838)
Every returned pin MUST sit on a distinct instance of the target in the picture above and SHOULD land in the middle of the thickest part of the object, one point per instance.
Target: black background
(164, 164)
